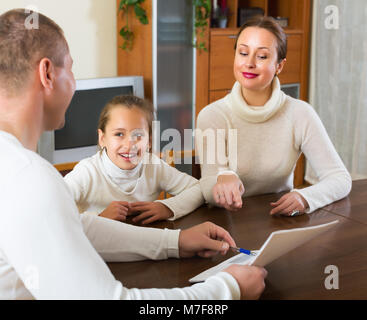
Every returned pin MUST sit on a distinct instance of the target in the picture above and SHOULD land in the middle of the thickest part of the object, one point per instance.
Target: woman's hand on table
(228, 191)
(289, 204)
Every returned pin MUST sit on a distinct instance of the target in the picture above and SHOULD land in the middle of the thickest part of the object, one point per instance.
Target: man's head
(21, 48)
(36, 59)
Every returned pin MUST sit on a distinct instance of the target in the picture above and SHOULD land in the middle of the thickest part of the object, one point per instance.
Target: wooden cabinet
(221, 59)
(292, 69)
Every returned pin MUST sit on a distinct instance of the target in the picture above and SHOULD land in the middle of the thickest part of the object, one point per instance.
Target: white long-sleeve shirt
(96, 181)
(261, 146)
(49, 251)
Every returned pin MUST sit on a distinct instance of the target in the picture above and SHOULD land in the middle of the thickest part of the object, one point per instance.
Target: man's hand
(228, 191)
(117, 210)
(251, 280)
(204, 240)
(290, 202)
(150, 212)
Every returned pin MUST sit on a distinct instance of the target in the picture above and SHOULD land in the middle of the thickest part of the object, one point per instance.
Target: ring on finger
(295, 213)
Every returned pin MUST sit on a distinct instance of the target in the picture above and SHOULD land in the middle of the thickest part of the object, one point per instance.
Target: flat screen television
(78, 138)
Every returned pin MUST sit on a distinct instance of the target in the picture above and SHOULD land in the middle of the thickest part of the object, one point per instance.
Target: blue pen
(240, 250)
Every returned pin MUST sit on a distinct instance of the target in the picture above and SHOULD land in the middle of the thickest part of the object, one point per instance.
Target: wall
(90, 29)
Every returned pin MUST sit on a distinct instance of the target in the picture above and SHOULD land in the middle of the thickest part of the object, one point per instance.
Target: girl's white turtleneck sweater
(96, 181)
(264, 145)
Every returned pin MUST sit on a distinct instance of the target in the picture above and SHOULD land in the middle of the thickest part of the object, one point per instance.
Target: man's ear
(47, 73)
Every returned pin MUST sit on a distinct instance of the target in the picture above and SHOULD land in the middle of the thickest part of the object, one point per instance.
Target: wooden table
(300, 274)
(354, 207)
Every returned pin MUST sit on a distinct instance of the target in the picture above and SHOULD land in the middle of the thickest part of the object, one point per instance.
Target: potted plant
(202, 15)
(126, 32)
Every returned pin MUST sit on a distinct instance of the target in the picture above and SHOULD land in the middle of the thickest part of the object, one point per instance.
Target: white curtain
(338, 81)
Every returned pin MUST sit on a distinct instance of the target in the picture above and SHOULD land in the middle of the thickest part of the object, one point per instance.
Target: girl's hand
(289, 203)
(228, 192)
(117, 210)
(150, 211)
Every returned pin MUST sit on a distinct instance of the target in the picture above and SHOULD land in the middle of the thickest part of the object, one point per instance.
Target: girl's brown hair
(127, 101)
(272, 26)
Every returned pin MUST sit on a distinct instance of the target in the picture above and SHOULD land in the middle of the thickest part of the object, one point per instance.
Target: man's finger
(215, 246)
(218, 233)
(207, 253)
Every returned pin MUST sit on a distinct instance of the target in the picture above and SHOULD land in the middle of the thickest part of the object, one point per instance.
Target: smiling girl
(272, 130)
(124, 178)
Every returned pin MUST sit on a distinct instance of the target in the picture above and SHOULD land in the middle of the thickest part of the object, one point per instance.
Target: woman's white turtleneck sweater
(96, 181)
(265, 145)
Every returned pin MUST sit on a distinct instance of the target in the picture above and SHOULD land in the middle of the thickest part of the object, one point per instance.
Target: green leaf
(123, 32)
(141, 14)
(202, 14)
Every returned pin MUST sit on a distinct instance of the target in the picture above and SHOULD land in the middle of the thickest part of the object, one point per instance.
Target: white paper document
(277, 244)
